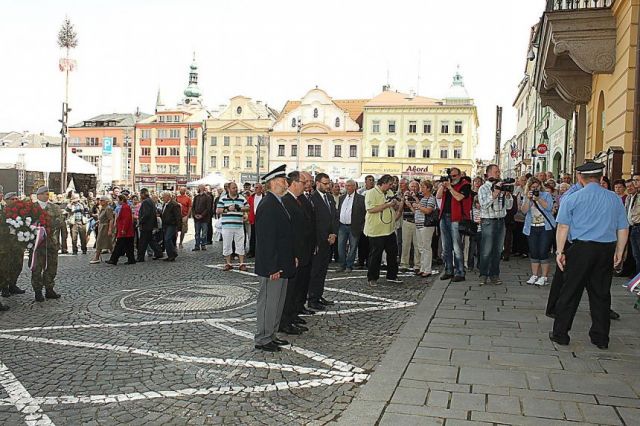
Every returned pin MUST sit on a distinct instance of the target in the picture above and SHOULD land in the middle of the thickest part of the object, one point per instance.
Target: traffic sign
(542, 149)
(107, 146)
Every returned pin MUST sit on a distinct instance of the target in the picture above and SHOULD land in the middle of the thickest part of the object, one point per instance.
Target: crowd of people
(390, 224)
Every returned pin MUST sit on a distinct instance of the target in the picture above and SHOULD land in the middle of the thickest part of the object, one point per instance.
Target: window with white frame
(145, 133)
(314, 151)
(337, 151)
(426, 127)
(169, 118)
(174, 169)
(162, 151)
(145, 151)
(444, 127)
(375, 126)
(374, 150)
(226, 140)
(238, 141)
(426, 153)
(176, 118)
(174, 133)
(391, 151)
(413, 127)
(392, 126)
(92, 141)
(294, 150)
(161, 168)
(457, 153)
(174, 151)
(353, 151)
(213, 163)
(214, 140)
(249, 140)
(337, 122)
(411, 152)
(249, 163)
(457, 127)
(163, 133)
(225, 161)
(144, 168)
(192, 169)
(280, 150)
(192, 151)
(444, 153)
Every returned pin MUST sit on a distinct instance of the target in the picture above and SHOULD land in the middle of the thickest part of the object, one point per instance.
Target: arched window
(293, 122)
(600, 123)
(315, 113)
(337, 121)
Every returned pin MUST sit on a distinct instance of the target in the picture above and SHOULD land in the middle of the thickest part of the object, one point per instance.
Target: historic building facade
(586, 70)
(319, 134)
(238, 139)
(169, 145)
(420, 137)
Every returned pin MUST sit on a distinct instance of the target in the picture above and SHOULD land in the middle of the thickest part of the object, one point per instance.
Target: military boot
(50, 294)
(39, 296)
(3, 307)
(6, 292)
(14, 289)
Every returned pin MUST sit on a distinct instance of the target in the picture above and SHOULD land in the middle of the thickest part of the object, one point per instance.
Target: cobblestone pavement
(171, 343)
(481, 355)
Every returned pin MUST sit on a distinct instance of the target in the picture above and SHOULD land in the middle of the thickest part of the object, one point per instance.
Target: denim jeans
(634, 239)
(344, 235)
(170, 240)
(491, 244)
(201, 233)
(539, 244)
(451, 246)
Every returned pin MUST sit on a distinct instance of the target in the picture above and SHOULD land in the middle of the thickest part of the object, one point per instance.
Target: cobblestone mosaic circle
(189, 297)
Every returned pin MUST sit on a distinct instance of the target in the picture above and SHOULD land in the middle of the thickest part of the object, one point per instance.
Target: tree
(67, 37)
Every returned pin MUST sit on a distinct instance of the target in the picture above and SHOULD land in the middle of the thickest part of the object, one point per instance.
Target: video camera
(393, 197)
(505, 185)
(446, 178)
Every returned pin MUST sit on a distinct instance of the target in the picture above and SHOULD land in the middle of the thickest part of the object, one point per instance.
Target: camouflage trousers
(46, 267)
(11, 266)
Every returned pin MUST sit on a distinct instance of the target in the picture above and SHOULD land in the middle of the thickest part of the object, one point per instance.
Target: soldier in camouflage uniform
(14, 256)
(4, 261)
(46, 266)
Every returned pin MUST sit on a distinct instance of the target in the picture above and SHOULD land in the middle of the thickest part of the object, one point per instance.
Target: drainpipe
(635, 156)
(566, 146)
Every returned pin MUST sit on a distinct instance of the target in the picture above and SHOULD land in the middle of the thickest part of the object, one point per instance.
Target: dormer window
(337, 121)
(293, 122)
(239, 110)
(315, 113)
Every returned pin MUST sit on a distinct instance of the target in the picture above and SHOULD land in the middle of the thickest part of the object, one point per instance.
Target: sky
(271, 51)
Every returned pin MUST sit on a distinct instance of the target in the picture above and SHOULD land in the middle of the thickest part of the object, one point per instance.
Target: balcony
(577, 39)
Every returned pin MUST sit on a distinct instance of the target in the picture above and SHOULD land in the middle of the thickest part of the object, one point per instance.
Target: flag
(634, 285)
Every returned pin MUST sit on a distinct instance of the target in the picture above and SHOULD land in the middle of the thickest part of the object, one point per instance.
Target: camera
(505, 185)
(535, 192)
(446, 178)
(393, 197)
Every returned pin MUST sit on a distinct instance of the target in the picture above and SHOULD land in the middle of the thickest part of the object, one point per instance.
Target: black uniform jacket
(358, 212)
(326, 217)
(147, 215)
(304, 227)
(172, 214)
(274, 239)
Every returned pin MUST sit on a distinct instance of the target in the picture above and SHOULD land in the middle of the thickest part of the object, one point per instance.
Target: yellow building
(586, 67)
(237, 138)
(420, 137)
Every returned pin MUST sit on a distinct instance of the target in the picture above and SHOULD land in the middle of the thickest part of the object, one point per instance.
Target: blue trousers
(491, 244)
(201, 233)
(451, 246)
(540, 241)
(344, 235)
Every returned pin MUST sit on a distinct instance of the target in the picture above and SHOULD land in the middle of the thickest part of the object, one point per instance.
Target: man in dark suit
(171, 219)
(351, 213)
(326, 235)
(304, 245)
(275, 260)
(147, 222)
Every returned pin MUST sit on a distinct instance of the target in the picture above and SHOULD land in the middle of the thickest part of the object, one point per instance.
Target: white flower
(28, 221)
(32, 236)
(32, 227)
(30, 245)
(12, 231)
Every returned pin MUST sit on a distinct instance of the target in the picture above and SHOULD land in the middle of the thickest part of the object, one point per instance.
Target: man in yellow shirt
(380, 227)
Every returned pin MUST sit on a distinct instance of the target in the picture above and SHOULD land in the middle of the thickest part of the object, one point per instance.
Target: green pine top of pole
(67, 36)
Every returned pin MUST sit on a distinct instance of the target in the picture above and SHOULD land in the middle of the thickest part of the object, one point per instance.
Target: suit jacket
(147, 216)
(274, 239)
(172, 214)
(304, 232)
(326, 216)
(124, 222)
(358, 212)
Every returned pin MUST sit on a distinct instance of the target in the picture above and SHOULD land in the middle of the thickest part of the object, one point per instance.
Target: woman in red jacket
(124, 234)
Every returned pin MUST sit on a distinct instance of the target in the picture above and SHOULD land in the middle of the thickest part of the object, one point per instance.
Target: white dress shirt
(345, 211)
(256, 200)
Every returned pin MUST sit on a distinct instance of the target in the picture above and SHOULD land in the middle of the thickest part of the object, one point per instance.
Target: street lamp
(299, 123)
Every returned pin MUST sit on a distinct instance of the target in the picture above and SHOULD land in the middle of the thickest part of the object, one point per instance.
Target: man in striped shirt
(231, 206)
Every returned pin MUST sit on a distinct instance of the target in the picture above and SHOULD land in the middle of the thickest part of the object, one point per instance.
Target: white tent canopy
(45, 160)
(212, 179)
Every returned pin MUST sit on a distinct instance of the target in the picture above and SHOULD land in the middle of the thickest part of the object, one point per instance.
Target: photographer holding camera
(495, 199)
(455, 194)
(380, 227)
(539, 226)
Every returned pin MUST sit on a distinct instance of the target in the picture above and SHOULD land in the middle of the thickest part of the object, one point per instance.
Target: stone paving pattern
(73, 375)
(480, 355)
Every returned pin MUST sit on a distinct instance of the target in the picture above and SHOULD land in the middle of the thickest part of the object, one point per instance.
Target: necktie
(326, 200)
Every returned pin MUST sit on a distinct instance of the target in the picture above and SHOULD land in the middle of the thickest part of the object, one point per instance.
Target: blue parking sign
(107, 145)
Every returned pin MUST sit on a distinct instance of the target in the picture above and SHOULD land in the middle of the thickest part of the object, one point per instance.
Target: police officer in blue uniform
(594, 219)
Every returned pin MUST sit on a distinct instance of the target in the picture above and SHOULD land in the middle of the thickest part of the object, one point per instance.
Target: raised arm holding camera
(495, 199)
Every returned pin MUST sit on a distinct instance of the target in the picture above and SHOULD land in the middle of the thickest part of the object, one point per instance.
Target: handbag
(544, 215)
(432, 219)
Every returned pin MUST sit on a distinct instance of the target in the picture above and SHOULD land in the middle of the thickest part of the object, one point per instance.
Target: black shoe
(3, 307)
(203, 248)
(269, 347)
(50, 294)
(558, 340)
(289, 329)
(111, 262)
(139, 260)
(75, 252)
(298, 320)
(612, 315)
(300, 327)
(280, 342)
(14, 289)
(457, 279)
(551, 315)
(39, 296)
(84, 252)
(505, 258)
(306, 311)
(601, 345)
(326, 302)
(196, 248)
(169, 259)
(6, 292)
(130, 263)
(158, 257)
(446, 276)
(317, 306)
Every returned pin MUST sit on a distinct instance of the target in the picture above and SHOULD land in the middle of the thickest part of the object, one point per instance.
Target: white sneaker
(533, 279)
(542, 281)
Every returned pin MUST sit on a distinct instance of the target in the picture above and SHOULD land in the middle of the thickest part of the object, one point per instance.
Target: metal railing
(562, 5)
